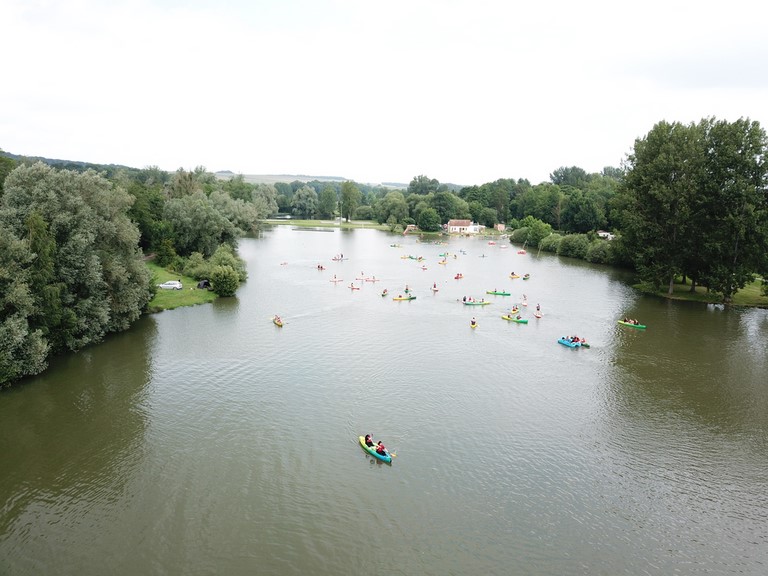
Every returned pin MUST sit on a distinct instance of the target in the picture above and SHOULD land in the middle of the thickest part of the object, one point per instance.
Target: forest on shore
(690, 204)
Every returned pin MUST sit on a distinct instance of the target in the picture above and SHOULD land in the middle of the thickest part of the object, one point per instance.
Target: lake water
(208, 441)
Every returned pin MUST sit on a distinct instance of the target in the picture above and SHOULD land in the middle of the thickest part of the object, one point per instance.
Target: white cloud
(462, 91)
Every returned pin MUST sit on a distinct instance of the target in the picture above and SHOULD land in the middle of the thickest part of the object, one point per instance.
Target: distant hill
(76, 165)
(273, 178)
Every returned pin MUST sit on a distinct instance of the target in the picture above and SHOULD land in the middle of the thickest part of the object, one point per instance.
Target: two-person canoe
(372, 451)
(515, 319)
(569, 343)
(498, 293)
(476, 303)
(404, 298)
(277, 321)
(632, 325)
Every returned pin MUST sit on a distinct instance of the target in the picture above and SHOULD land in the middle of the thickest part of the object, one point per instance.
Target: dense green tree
(731, 208)
(543, 202)
(572, 176)
(423, 185)
(429, 220)
(224, 280)
(393, 204)
(242, 214)
(225, 255)
(183, 184)
(582, 212)
(304, 202)
(488, 218)
(196, 225)
(573, 246)
(476, 210)
(664, 173)
(535, 231)
(147, 212)
(89, 275)
(6, 165)
(23, 349)
(265, 200)
(327, 202)
(238, 188)
(350, 199)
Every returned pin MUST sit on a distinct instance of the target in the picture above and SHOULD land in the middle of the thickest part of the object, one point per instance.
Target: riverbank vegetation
(688, 212)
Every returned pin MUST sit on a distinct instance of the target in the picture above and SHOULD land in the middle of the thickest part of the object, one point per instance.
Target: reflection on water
(209, 441)
(71, 440)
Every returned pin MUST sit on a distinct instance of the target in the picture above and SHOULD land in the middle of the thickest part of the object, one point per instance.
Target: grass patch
(330, 224)
(749, 296)
(170, 299)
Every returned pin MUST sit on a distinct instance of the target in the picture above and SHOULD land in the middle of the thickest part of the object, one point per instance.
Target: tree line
(690, 201)
(73, 242)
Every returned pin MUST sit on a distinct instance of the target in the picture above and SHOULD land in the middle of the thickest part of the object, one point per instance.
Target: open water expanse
(208, 441)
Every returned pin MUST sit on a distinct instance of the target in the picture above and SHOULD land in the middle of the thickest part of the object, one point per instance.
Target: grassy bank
(169, 299)
(750, 296)
(329, 224)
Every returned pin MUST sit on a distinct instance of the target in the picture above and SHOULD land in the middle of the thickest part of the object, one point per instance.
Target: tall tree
(733, 204)
(423, 185)
(662, 179)
(350, 199)
(304, 202)
(326, 202)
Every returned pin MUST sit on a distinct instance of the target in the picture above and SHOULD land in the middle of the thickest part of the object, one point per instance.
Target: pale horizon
(465, 92)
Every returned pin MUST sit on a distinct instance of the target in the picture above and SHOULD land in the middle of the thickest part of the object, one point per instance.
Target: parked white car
(171, 285)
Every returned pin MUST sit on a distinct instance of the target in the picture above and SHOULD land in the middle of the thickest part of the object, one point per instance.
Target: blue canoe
(372, 451)
(566, 342)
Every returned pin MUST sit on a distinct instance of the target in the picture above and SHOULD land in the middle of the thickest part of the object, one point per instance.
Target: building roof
(459, 222)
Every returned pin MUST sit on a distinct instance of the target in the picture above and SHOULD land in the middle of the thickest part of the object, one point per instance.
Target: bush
(224, 280)
(574, 246)
(551, 243)
(197, 267)
(519, 235)
(600, 252)
(225, 256)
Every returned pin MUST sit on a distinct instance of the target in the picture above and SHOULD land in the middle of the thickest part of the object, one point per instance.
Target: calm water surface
(208, 441)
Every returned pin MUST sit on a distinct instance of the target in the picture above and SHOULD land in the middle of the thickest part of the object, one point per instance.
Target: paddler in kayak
(368, 440)
(380, 449)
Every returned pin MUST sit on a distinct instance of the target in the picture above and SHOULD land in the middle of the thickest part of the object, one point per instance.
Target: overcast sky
(464, 91)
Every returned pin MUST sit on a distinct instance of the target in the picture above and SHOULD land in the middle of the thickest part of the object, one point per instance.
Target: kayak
(384, 293)
(526, 277)
(277, 322)
(631, 325)
(514, 276)
(476, 303)
(435, 289)
(498, 293)
(404, 298)
(372, 451)
(566, 342)
(473, 325)
(518, 320)
(537, 314)
(458, 276)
